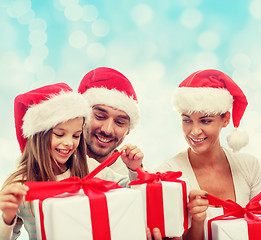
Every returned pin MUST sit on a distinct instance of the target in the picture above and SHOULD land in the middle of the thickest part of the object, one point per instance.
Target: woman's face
(64, 141)
(201, 131)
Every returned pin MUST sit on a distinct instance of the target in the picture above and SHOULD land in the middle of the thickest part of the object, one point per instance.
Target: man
(115, 113)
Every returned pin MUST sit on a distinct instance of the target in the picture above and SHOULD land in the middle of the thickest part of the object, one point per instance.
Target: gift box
(88, 208)
(165, 201)
(237, 223)
(70, 216)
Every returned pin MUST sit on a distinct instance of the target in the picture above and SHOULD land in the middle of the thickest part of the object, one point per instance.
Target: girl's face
(201, 131)
(64, 141)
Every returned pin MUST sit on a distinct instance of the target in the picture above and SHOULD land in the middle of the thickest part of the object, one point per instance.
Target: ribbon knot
(147, 177)
(232, 209)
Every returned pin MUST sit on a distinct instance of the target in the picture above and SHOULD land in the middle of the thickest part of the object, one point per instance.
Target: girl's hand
(10, 199)
(132, 156)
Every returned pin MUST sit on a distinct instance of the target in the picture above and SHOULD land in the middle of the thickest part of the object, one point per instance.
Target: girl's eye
(76, 136)
(58, 135)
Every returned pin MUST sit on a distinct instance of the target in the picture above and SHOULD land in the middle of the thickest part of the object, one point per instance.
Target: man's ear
(226, 119)
(127, 133)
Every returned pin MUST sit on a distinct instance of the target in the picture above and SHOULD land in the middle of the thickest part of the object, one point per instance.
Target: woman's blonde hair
(36, 160)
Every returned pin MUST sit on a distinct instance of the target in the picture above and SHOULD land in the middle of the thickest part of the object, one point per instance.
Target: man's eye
(76, 136)
(99, 116)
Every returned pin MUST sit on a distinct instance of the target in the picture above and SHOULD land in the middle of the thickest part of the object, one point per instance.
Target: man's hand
(132, 156)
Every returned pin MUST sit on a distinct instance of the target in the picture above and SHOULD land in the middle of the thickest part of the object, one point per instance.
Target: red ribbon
(155, 212)
(235, 210)
(93, 187)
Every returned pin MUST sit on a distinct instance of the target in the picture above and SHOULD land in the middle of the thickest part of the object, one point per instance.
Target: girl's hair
(36, 161)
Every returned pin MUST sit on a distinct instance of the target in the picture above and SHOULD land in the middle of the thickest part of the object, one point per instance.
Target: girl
(204, 100)
(49, 127)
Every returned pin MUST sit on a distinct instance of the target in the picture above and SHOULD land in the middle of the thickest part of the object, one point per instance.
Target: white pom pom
(237, 139)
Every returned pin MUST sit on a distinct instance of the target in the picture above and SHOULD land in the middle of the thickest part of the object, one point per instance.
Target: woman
(204, 100)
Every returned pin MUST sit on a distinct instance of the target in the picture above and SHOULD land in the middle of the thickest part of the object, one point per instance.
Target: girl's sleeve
(6, 231)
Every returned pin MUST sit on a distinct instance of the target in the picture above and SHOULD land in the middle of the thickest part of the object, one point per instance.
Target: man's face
(106, 131)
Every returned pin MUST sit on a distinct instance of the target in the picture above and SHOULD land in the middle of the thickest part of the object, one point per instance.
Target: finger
(18, 189)
(197, 193)
(148, 233)
(157, 234)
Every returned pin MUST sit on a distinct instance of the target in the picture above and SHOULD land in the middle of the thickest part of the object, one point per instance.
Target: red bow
(233, 209)
(90, 186)
(93, 187)
(146, 177)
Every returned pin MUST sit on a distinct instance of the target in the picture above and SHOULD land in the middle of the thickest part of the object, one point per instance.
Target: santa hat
(109, 87)
(213, 92)
(41, 109)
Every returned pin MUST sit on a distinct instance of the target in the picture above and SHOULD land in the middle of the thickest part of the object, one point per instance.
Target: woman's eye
(206, 121)
(185, 120)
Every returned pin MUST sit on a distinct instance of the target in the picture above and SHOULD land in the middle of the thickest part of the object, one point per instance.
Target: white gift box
(68, 216)
(174, 208)
(230, 229)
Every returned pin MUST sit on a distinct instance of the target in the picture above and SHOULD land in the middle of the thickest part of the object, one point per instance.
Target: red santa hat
(109, 87)
(213, 92)
(41, 109)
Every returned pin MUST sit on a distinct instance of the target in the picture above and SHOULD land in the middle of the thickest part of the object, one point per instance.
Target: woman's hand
(10, 199)
(197, 208)
(157, 235)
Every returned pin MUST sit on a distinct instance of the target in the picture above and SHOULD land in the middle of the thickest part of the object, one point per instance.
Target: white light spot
(19, 8)
(209, 40)
(68, 2)
(73, 12)
(37, 38)
(90, 13)
(32, 64)
(96, 51)
(241, 61)
(37, 24)
(46, 74)
(77, 39)
(191, 18)
(100, 28)
(27, 17)
(206, 60)
(241, 76)
(142, 14)
(155, 71)
(254, 9)
(39, 51)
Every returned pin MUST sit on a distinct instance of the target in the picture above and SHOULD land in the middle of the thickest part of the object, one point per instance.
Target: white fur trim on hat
(115, 99)
(59, 108)
(202, 99)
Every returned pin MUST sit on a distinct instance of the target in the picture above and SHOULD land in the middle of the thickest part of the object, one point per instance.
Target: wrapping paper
(165, 201)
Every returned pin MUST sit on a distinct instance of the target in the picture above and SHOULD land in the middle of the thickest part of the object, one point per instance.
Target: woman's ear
(226, 118)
